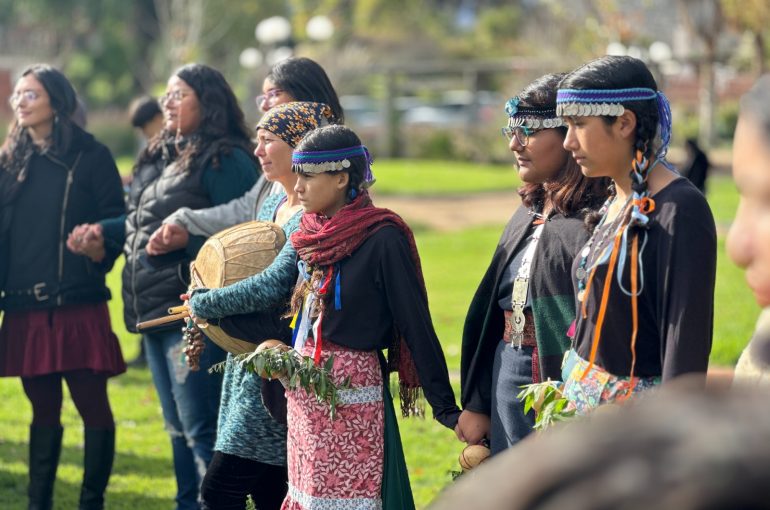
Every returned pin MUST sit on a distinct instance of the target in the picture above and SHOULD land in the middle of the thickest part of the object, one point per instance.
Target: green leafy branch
(548, 402)
(295, 370)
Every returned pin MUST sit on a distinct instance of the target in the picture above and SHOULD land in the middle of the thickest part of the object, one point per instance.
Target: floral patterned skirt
(338, 464)
(598, 386)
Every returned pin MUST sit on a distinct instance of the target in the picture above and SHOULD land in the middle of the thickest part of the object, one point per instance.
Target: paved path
(452, 213)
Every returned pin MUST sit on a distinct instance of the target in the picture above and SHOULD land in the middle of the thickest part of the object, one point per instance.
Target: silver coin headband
(596, 102)
(532, 118)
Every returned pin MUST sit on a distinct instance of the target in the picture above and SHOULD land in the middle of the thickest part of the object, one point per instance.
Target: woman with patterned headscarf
(250, 451)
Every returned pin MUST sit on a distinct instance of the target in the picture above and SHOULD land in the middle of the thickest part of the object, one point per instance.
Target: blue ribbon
(337, 292)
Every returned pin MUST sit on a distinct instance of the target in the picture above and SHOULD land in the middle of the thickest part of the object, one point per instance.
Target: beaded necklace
(582, 272)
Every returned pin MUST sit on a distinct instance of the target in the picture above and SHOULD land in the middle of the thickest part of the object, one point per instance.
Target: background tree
(751, 16)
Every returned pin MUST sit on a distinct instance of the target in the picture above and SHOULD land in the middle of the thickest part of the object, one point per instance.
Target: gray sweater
(207, 222)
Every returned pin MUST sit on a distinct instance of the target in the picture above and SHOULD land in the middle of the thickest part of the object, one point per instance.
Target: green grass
(427, 177)
(453, 265)
(125, 164)
(424, 177)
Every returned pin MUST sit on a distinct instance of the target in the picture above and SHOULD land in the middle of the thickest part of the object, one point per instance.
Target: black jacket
(553, 303)
(59, 192)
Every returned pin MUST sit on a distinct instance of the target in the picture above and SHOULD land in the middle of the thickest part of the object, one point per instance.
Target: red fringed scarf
(321, 242)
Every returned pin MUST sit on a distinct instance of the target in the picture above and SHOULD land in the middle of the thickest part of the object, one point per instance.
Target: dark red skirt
(74, 337)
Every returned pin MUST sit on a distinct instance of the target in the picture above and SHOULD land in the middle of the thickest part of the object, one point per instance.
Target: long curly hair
(570, 192)
(222, 126)
(18, 146)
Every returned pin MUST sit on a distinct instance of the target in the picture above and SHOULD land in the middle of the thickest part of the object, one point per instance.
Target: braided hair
(622, 72)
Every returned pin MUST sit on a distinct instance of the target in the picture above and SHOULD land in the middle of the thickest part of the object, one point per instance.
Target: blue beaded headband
(596, 102)
(316, 162)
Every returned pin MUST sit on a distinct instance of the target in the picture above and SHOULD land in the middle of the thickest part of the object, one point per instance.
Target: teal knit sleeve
(272, 287)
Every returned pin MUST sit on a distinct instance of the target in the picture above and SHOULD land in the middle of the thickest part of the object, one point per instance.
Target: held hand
(169, 237)
(186, 299)
(88, 240)
(472, 427)
(75, 238)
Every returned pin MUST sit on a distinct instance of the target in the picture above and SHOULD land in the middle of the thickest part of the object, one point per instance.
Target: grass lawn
(453, 264)
(425, 177)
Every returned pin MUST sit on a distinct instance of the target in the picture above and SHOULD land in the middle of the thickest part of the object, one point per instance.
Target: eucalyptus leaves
(275, 360)
(548, 402)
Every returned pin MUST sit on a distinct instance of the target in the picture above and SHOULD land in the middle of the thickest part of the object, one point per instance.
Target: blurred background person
(697, 166)
(146, 116)
(53, 176)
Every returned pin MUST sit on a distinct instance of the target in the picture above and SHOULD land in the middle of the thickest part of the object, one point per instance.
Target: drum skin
(230, 256)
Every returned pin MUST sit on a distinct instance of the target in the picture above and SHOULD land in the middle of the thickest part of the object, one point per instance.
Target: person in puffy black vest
(201, 158)
(53, 176)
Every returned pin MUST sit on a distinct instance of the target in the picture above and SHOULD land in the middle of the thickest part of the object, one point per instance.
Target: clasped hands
(87, 239)
(472, 427)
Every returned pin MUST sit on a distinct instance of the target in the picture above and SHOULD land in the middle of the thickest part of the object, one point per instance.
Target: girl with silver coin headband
(645, 278)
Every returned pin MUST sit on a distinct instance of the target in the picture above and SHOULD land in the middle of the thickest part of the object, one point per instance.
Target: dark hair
(142, 110)
(306, 80)
(222, 126)
(18, 146)
(570, 191)
(620, 72)
(756, 104)
(334, 137)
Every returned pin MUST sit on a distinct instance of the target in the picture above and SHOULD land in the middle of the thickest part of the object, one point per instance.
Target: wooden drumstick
(178, 309)
(162, 320)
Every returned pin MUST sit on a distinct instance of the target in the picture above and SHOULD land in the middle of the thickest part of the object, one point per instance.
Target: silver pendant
(581, 273)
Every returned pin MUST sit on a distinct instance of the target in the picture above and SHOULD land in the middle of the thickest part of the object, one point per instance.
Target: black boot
(44, 451)
(97, 466)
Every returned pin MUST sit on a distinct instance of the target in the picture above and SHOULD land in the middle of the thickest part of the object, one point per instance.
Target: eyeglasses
(28, 95)
(522, 134)
(176, 96)
(268, 96)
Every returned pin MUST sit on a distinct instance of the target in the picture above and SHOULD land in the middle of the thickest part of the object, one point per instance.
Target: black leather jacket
(58, 192)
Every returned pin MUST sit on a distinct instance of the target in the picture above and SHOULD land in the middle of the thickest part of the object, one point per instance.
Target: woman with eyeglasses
(201, 158)
(516, 329)
(293, 79)
(53, 176)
